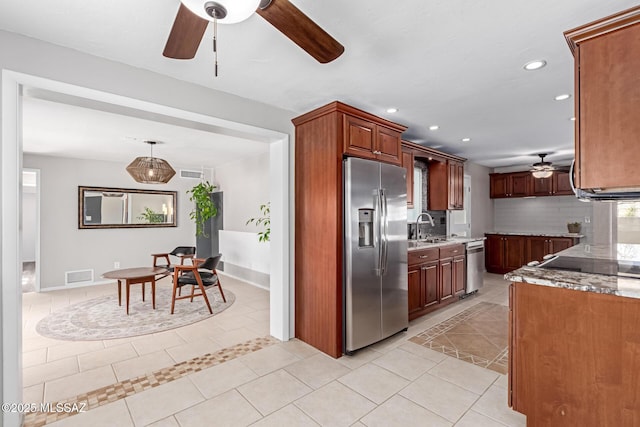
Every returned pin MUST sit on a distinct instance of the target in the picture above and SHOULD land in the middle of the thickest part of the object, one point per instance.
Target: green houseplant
(574, 227)
(204, 207)
(151, 217)
(264, 220)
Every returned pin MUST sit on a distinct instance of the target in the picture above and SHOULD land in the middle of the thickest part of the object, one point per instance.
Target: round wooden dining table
(136, 275)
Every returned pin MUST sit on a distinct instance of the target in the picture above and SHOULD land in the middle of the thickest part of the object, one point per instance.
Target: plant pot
(574, 228)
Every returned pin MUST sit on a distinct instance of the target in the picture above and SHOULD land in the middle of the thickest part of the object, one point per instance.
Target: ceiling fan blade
(291, 22)
(186, 34)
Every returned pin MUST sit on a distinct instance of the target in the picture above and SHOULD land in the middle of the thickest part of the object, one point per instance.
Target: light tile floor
(394, 382)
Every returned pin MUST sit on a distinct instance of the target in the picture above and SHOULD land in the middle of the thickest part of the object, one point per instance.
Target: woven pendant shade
(150, 170)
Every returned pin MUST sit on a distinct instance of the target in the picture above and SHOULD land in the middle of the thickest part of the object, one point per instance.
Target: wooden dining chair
(201, 276)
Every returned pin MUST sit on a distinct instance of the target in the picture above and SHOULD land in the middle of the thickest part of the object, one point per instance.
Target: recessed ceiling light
(562, 97)
(392, 110)
(535, 64)
(466, 139)
(573, 119)
(434, 127)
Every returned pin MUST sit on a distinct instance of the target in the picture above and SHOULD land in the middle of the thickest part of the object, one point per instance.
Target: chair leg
(204, 294)
(193, 290)
(173, 294)
(219, 285)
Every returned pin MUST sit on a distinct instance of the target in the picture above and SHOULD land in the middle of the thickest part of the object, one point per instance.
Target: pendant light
(150, 170)
(542, 169)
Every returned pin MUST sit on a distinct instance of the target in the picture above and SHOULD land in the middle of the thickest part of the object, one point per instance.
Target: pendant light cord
(215, 43)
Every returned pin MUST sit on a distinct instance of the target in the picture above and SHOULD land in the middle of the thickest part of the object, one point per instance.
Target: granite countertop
(586, 282)
(531, 233)
(448, 242)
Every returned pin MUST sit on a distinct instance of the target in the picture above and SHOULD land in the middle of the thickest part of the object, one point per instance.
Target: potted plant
(265, 220)
(204, 208)
(574, 227)
(150, 216)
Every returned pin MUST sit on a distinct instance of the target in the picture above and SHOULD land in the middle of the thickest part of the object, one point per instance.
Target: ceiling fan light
(542, 173)
(237, 10)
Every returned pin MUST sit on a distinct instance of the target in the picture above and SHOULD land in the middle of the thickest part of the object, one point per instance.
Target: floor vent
(79, 276)
(190, 174)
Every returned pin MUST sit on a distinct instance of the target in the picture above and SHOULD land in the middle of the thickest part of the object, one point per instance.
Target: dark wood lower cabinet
(505, 253)
(433, 281)
(573, 357)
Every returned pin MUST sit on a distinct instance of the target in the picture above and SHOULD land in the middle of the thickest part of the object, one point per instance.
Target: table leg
(143, 291)
(127, 284)
(119, 292)
(153, 292)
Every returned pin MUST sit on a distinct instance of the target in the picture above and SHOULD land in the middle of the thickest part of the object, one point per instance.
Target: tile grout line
(129, 387)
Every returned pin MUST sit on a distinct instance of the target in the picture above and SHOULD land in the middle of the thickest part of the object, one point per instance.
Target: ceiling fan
(194, 15)
(544, 169)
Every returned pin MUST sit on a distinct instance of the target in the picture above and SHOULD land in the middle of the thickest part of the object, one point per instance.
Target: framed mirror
(102, 207)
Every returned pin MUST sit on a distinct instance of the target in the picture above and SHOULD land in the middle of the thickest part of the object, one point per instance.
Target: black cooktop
(594, 266)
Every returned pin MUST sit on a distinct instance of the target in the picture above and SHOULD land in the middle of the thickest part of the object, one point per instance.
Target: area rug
(478, 335)
(102, 318)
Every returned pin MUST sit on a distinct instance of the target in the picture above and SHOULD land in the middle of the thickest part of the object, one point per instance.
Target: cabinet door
(562, 184)
(430, 283)
(608, 103)
(459, 275)
(520, 184)
(494, 253)
(446, 279)
(456, 185)
(415, 289)
(513, 252)
(359, 137)
(541, 186)
(388, 145)
(498, 186)
(537, 248)
(557, 244)
(407, 163)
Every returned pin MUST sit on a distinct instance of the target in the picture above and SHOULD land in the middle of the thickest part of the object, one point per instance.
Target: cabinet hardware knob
(423, 256)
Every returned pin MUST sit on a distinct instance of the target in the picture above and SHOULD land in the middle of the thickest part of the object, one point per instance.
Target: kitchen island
(574, 343)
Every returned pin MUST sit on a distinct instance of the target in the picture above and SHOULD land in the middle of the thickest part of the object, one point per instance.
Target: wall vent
(191, 174)
(78, 276)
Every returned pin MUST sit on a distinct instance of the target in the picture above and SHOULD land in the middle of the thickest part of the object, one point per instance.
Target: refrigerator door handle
(377, 238)
(385, 232)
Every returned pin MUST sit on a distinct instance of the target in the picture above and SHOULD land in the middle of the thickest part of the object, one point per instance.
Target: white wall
(33, 57)
(245, 185)
(64, 247)
(481, 204)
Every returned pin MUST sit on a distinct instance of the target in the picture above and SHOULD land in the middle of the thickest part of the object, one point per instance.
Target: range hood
(603, 194)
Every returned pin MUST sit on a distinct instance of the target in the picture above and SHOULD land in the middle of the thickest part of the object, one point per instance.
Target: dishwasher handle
(475, 250)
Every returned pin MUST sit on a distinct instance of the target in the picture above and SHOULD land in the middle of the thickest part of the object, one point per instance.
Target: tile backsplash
(543, 215)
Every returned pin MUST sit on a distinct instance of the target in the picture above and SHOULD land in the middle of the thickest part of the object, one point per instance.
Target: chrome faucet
(418, 222)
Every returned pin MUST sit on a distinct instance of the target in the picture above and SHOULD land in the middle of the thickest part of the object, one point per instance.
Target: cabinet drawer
(451, 251)
(422, 255)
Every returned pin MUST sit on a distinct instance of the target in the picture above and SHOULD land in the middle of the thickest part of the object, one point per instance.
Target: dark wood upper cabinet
(446, 185)
(523, 184)
(365, 138)
(407, 163)
(607, 100)
(517, 184)
(562, 184)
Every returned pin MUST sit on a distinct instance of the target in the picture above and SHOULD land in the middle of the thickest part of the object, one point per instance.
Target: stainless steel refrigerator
(375, 252)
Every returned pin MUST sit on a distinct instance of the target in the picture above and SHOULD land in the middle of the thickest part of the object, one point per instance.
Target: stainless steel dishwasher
(475, 266)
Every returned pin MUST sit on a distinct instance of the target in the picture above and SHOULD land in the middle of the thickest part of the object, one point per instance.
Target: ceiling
(454, 63)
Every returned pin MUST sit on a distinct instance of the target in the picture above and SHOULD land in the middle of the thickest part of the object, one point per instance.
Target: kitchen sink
(434, 240)
(428, 240)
